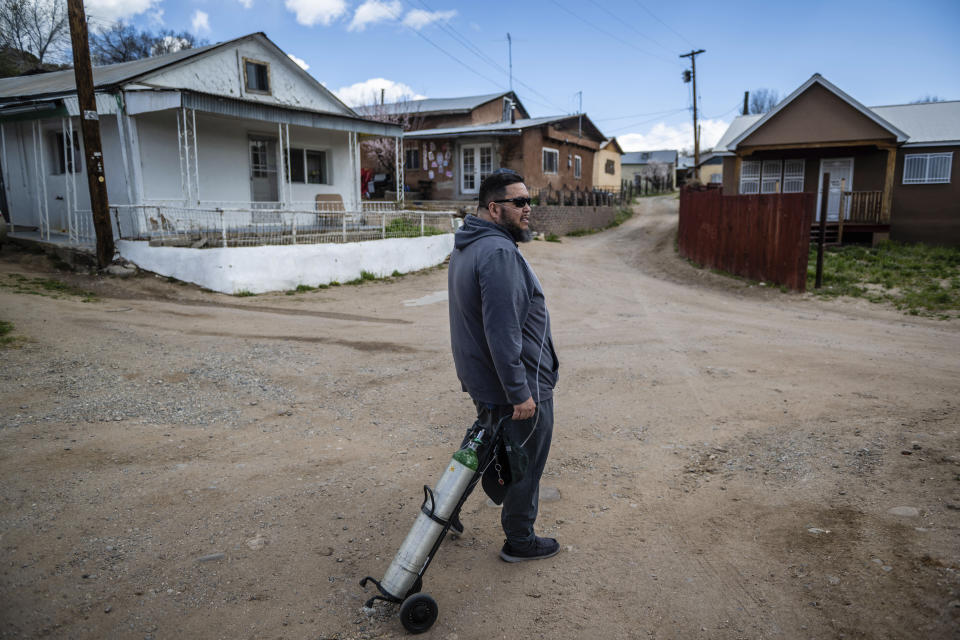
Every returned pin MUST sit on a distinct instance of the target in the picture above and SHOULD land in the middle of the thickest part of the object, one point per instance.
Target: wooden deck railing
(863, 207)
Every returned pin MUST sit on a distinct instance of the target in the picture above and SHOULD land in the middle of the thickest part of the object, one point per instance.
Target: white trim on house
(831, 190)
(543, 164)
(829, 86)
(926, 163)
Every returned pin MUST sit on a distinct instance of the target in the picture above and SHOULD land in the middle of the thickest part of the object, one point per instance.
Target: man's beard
(519, 234)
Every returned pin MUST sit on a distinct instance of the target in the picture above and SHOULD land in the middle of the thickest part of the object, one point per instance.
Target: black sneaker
(456, 528)
(539, 549)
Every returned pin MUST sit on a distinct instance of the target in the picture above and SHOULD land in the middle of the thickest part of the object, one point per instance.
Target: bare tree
(763, 100)
(122, 42)
(34, 29)
(928, 98)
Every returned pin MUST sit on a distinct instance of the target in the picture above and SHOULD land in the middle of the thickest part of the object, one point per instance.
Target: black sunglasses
(519, 203)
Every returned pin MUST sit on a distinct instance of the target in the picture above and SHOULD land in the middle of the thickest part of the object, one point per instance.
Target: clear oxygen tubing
(415, 550)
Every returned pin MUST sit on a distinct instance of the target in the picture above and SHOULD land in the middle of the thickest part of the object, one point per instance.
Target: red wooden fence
(761, 237)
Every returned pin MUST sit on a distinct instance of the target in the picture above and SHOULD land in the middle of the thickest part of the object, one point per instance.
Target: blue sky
(622, 54)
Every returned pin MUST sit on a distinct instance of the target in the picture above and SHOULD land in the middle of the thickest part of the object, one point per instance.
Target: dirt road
(732, 462)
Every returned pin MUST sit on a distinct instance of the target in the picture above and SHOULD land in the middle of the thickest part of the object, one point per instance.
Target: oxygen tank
(411, 557)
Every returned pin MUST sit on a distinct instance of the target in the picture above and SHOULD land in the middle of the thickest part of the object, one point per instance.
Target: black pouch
(508, 467)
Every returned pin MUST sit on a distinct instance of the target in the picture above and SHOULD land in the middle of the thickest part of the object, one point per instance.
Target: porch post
(123, 147)
(134, 157)
(68, 169)
(737, 162)
(887, 202)
(183, 181)
(6, 173)
(283, 168)
(196, 154)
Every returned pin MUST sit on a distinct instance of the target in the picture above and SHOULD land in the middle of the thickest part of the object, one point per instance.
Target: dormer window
(256, 76)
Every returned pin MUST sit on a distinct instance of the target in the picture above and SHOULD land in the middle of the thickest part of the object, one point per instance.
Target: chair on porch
(330, 204)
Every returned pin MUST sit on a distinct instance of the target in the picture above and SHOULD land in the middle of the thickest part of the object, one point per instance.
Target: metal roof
(925, 123)
(666, 156)
(493, 128)
(738, 126)
(430, 105)
(60, 82)
(929, 122)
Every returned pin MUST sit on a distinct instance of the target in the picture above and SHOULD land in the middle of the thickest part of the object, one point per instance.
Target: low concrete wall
(562, 220)
(279, 268)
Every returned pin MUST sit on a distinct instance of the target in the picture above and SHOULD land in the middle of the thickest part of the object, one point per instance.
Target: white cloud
(156, 17)
(418, 18)
(373, 11)
(117, 10)
(246, 3)
(303, 65)
(200, 22)
(665, 136)
(368, 92)
(311, 12)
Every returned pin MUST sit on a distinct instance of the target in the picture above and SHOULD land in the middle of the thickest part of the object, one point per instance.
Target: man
(502, 347)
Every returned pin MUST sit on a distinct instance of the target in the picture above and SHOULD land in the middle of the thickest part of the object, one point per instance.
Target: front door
(841, 172)
(263, 170)
(476, 163)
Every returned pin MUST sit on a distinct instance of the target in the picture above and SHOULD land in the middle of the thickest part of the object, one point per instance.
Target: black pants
(522, 499)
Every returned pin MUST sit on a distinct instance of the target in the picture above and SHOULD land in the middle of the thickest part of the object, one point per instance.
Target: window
(486, 162)
(793, 176)
(411, 159)
(551, 160)
(256, 76)
(260, 165)
(73, 162)
(295, 166)
(927, 168)
(716, 178)
(316, 167)
(750, 177)
(771, 176)
(306, 166)
(610, 167)
(577, 166)
(476, 163)
(770, 182)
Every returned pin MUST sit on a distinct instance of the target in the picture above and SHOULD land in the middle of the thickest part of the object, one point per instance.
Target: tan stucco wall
(816, 116)
(602, 179)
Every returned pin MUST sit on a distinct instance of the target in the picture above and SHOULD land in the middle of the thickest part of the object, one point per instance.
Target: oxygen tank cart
(403, 580)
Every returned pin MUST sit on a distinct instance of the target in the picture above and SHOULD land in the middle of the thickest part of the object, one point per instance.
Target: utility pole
(696, 137)
(510, 58)
(90, 127)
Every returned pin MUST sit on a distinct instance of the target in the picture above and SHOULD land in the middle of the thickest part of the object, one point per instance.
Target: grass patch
(6, 328)
(918, 279)
(243, 293)
(303, 288)
(410, 228)
(622, 215)
(365, 276)
(395, 274)
(47, 287)
(552, 237)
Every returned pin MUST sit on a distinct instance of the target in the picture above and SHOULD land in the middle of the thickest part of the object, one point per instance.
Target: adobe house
(659, 165)
(892, 164)
(454, 143)
(606, 166)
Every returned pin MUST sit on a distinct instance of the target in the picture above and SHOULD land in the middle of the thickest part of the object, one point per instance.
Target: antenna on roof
(510, 58)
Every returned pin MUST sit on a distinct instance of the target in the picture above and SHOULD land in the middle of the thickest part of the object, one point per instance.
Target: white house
(236, 126)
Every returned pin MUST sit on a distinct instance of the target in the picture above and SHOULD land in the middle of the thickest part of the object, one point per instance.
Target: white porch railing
(247, 227)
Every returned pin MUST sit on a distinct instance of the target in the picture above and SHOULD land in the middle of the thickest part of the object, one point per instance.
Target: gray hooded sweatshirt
(499, 325)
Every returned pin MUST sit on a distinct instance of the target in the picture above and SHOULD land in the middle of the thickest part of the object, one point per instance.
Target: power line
(631, 27)
(463, 40)
(640, 115)
(642, 6)
(612, 35)
(634, 124)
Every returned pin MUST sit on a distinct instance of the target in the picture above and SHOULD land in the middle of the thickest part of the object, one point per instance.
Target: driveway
(729, 461)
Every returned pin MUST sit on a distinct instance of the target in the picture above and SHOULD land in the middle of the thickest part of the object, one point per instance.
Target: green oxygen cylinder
(468, 455)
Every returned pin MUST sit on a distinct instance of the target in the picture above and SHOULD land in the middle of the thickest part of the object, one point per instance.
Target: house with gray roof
(891, 168)
(452, 144)
(235, 125)
(657, 168)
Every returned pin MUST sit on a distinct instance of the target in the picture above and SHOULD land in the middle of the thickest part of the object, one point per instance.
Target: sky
(620, 57)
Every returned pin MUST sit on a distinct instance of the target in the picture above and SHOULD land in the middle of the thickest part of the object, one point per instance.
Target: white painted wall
(279, 268)
(221, 73)
(25, 197)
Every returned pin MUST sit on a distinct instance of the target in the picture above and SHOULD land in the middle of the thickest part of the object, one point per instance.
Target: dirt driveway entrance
(731, 462)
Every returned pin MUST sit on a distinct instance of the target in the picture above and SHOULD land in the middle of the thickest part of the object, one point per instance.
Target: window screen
(793, 176)
(927, 168)
(551, 159)
(750, 177)
(316, 167)
(771, 176)
(258, 79)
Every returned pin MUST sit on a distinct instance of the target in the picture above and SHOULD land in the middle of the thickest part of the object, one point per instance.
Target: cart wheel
(416, 588)
(418, 613)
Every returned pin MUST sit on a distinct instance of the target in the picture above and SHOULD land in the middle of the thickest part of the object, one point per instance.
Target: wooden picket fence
(761, 237)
